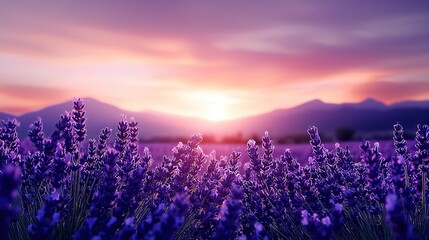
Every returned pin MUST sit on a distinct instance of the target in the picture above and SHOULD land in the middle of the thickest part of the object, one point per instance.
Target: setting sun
(215, 112)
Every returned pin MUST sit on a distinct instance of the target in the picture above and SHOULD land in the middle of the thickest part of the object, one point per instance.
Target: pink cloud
(392, 91)
(18, 99)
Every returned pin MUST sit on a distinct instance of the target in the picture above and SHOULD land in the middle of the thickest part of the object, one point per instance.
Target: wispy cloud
(393, 91)
(17, 98)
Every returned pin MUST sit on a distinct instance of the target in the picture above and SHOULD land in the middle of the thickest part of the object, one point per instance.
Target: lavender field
(69, 187)
(302, 152)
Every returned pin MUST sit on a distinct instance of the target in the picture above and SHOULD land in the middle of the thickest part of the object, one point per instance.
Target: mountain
(368, 116)
(100, 115)
(411, 104)
(368, 103)
(5, 116)
(314, 104)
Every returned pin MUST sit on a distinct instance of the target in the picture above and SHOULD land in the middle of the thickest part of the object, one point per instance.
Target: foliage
(345, 133)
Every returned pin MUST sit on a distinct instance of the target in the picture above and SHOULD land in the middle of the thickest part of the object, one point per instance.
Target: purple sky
(212, 59)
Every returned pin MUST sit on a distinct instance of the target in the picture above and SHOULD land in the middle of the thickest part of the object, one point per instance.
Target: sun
(215, 112)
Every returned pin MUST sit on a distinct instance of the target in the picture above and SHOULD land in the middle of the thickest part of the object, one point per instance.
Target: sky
(211, 59)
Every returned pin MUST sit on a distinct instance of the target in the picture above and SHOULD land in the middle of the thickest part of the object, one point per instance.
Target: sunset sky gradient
(224, 59)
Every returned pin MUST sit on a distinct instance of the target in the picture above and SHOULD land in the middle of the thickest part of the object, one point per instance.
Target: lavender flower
(46, 218)
(122, 137)
(171, 220)
(373, 160)
(133, 135)
(65, 130)
(29, 173)
(260, 233)
(9, 134)
(268, 147)
(422, 146)
(127, 230)
(226, 183)
(43, 165)
(108, 230)
(234, 159)
(316, 144)
(146, 226)
(408, 198)
(4, 153)
(252, 152)
(318, 229)
(336, 217)
(398, 172)
(106, 194)
(36, 134)
(128, 197)
(206, 199)
(90, 158)
(102, 141)
(10, 178)
(230, 214)
(79, 119)
(58, 168)
(400, 225)
(189, 159)
(399, 141)
(86, 231)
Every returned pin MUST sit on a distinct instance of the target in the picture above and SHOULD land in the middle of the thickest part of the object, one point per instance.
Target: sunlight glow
(215, 112)
(212, 105)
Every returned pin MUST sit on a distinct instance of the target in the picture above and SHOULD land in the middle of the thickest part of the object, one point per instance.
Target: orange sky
(216, 60)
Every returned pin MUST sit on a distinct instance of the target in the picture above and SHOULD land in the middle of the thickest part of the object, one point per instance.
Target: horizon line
(205, 119)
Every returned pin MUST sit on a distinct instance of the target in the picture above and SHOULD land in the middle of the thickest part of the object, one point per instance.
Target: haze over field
(369, 119)
(216, 60)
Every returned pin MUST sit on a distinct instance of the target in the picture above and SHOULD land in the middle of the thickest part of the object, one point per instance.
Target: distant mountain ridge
(367, 116)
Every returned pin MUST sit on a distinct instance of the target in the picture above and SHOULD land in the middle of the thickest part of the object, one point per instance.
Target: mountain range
(367, 117)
